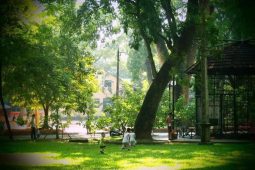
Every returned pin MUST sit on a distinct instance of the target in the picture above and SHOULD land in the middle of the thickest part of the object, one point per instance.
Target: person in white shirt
(126, 140)
(132, 138)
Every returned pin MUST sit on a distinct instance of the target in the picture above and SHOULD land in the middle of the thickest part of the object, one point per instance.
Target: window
(108, 85)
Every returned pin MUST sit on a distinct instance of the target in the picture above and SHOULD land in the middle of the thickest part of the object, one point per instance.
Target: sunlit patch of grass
(63, 155)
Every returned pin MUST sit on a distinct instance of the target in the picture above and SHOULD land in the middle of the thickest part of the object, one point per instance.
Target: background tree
(124, 109)
(56, 68)
(13, 46)
(137, 64)
(184, 114)
(234, 19)
(106, 57)
(163, 110)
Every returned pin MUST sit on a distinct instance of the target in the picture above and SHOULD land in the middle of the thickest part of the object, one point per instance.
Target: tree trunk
(57, 124)
(46, 116)
(205, 133)
(2, 103)
(147, 114)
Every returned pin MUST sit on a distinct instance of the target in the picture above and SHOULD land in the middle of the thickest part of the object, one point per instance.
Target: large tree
(178, 36)
(13, 46)
(57, 69)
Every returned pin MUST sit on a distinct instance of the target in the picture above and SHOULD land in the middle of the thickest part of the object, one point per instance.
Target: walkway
(77, 131)
(158, 137)
(163, 137)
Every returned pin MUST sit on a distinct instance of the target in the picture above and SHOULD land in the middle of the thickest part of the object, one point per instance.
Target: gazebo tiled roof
(235, 59)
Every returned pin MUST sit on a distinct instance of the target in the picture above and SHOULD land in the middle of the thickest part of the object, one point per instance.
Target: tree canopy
(47, 48)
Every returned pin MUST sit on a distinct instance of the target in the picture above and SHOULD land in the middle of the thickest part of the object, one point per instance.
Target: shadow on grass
(180, 156)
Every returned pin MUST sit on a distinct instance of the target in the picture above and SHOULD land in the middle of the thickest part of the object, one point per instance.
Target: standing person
(132, 138)
(169, 122)
(14, 118)
(126, 140)
(102, 143)
(33, 129)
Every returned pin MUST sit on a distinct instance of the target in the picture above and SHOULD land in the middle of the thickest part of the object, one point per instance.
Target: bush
(20, 121)
(184, 113)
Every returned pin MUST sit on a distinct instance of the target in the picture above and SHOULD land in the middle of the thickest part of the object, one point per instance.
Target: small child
(132, 138)
(101, 143)
(126, 140)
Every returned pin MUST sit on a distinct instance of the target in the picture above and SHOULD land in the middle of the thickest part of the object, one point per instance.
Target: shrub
(20, 121)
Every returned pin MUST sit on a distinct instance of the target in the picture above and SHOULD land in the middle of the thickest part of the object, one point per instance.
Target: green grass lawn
(63, 155)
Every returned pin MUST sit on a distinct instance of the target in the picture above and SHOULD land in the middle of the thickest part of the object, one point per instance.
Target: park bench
(69, 134)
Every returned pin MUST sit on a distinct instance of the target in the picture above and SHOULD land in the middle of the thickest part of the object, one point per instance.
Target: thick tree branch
(146, 41)
(166, 4)
(167, 41)
(188, 33)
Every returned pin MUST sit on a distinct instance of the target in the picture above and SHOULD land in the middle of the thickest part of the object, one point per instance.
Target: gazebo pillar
(204, 124)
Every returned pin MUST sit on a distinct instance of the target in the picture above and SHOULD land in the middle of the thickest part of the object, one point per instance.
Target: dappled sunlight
(155, 167)
(204, 161)
(176, 156)
(149, 162)
(76, 154)
(204, 158)
(79, 160)
(165, 163)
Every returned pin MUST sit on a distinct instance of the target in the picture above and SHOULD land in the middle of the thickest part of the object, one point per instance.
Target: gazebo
(231, 84)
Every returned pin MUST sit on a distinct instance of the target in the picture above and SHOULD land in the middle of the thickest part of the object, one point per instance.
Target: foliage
(12, 45)
(46, 61)
(136, 63)
(184, 113)
(20, 121)
(54, 71)
(234, 19)
(55, 118)
(91, 125)
(124, 108)
(106, 55)
(163, 110)
(103, 122)
(96, 17)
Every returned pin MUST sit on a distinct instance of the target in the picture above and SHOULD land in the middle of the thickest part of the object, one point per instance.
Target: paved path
(159, 137)
(164, 137)
(77, 131)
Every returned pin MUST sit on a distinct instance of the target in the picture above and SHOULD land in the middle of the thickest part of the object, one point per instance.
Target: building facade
(108, 85)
